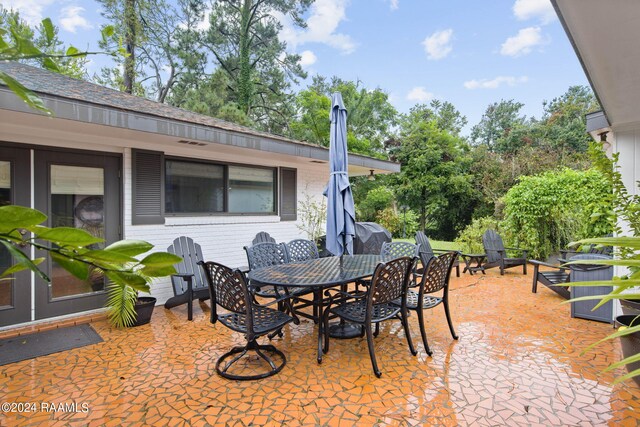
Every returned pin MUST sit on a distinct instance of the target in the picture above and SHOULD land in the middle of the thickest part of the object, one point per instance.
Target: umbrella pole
(344, 330)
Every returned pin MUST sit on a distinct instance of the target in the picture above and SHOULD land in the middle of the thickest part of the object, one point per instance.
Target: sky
(469, 52)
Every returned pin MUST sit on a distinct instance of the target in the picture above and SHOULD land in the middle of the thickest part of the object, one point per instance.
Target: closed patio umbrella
(341, 216)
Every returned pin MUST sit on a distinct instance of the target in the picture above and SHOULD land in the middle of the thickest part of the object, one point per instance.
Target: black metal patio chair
(393, 250)
(434, 279)
(266, 254)
(229, 290)
(299, 250)
(390, 283)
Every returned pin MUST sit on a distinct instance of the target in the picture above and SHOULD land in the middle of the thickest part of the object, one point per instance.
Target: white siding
(627, 144)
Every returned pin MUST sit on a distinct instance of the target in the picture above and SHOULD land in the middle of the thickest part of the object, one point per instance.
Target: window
(206, 188)
(251, 190)
(194, 187)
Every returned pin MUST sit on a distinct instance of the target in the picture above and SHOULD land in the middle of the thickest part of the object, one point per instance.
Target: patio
(517, 362)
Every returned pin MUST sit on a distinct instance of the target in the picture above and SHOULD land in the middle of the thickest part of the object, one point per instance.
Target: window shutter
(288, 194)
(147, 187)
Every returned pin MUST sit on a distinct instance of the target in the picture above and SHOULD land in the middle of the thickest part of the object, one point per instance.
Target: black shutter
(288, 195)
(147, 187)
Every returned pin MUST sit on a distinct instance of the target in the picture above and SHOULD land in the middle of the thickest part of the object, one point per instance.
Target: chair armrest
(443, 251)
(535, 262)
(517, 249)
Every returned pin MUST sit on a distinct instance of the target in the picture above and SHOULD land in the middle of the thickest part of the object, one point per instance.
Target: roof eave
(101, 115)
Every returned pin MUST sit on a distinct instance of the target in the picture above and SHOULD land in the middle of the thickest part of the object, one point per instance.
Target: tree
(434, 178)
(243, 39)
(370, 115)
(17, 44)
(497, 122)
(564, 121)
(210, 96)
(444, 113)
(45, 39)
(162, 41)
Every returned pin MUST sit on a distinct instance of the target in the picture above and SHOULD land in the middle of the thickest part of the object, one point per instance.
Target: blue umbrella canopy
(341, 213)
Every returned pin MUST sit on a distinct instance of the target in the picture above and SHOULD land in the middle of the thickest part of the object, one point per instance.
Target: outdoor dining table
(319, 273)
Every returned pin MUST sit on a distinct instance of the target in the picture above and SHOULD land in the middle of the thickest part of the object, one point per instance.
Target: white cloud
(495, 83)
(523, 42)
(71, 19)
(419, 94)
(307, 58)
(322, 25)
(528, 9)
(393, 4)
(30, 10)
(438, 44)
(204, 24)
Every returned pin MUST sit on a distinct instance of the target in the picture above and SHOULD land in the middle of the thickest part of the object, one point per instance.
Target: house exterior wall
(222, 238)
(626, 142)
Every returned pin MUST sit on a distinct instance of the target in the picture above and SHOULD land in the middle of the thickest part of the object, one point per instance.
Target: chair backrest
(437, 273)
(424, 247)
(302, 250)
(263, 237)
(393, 250)
(493, 245)
(390, 281)
(228, 289)
(191, 254)
(263, 255)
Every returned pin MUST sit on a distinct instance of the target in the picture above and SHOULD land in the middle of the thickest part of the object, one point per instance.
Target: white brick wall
(222, 238)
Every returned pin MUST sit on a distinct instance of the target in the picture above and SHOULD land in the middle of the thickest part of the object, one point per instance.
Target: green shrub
(395, 222)
(543, 213)
(470, 239)
(377, 200)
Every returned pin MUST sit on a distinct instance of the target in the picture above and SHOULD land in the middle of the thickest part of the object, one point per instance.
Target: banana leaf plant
(623, 287)
(69, 247)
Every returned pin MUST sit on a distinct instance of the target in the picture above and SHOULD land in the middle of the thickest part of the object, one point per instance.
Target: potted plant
(70, 249)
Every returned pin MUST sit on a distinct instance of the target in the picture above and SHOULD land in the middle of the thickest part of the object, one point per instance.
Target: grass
(435, 244)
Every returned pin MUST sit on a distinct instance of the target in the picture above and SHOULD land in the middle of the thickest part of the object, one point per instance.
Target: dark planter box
(630, 343)
(144, 310)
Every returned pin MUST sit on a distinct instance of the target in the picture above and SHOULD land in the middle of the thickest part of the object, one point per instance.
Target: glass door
(15, 186)
(81, 191)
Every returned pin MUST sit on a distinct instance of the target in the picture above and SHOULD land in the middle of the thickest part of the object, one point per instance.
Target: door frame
(20, 309)
(44, 305)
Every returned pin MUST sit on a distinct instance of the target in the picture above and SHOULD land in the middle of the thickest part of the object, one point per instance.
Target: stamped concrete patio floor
(518, 362)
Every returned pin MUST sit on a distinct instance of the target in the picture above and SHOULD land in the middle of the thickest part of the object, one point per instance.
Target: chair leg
(372, 353)
(534, 285)
(277, 333)
(423, 332)
(323, 328)
(405, 325)
(377, 332)
(190, 298)
(524, 268)
(458, 270)
(445, 302)
(239, 352)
